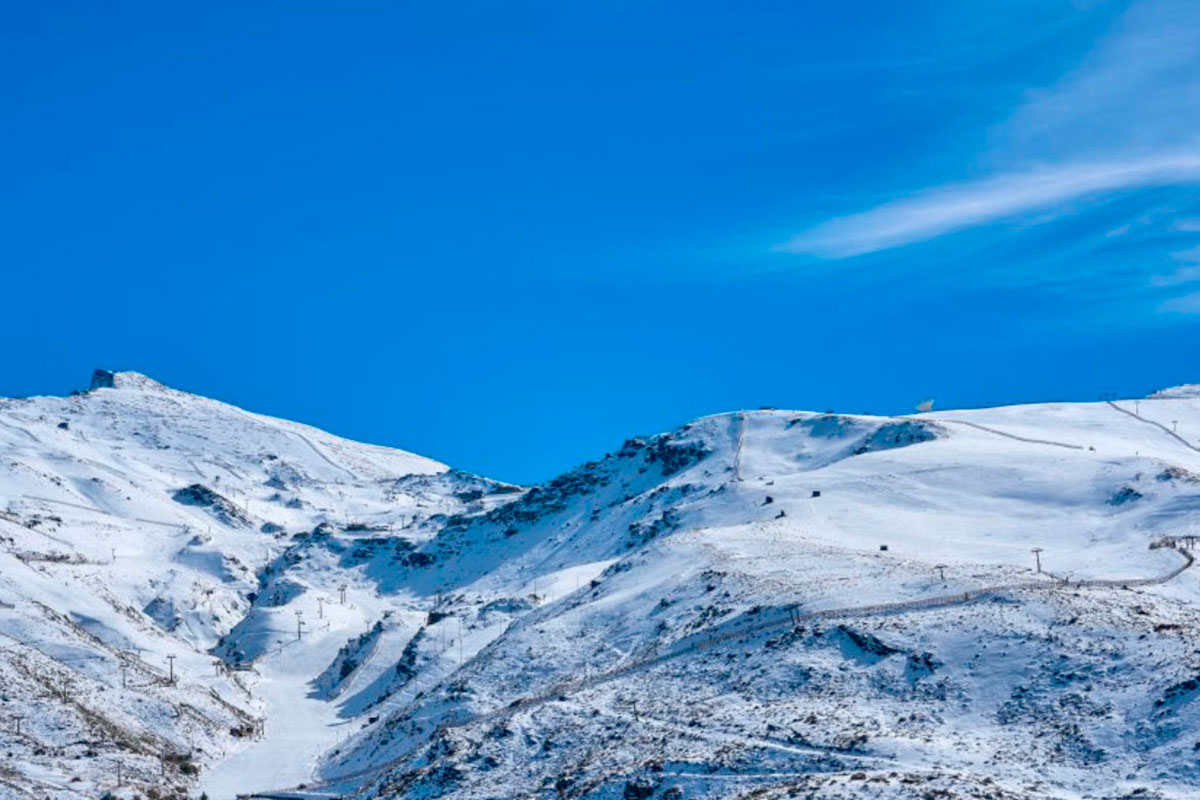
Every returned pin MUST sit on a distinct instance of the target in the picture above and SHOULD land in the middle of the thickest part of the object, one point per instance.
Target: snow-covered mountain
(758, 604)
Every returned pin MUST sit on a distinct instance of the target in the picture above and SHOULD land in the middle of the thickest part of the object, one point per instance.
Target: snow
(703, 613)
(298, 728)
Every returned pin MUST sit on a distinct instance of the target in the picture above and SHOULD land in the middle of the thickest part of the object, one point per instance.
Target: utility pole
(941, 568)
(120, 774)
(171, 679)
(342, 594)
(1175, 426)
(124, 680)
(17, 722)
(299, 624)
(1037, 555)
(320, 608)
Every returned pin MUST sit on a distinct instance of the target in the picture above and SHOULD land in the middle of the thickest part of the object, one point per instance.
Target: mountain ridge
(303, 582)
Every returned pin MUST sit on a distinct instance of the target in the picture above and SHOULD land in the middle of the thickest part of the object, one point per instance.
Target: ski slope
(771, 602)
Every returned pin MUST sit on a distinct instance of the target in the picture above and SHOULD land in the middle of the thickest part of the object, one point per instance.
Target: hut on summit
(102, 379)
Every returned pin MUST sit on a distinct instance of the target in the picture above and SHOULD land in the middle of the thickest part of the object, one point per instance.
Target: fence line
(1158, 425)
(997, 432)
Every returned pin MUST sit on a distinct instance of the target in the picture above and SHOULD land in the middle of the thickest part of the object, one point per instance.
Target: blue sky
(509, 235)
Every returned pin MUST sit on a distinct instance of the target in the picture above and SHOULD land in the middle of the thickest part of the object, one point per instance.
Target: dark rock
(1127, 494)
(200, 495)
(900, 434)
(638, 789)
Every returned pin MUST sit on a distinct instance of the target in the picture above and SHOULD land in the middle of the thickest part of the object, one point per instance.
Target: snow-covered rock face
(768, 604)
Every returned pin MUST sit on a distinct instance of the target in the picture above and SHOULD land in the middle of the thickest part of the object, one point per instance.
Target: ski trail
(95, 510)
(311, 444)
(321, 454)
(19, 429)
(298, 730)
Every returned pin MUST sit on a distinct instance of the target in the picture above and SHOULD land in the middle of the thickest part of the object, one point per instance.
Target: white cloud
(1186, 304)
(940, 211)
(1125, 118)
(1135, 91)
(1188, 273)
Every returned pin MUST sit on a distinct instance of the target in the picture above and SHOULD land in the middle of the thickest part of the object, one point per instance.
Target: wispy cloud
(947, 209)
(1187, 304)
(1135, 91)
(1188, 272)
(1125, 118)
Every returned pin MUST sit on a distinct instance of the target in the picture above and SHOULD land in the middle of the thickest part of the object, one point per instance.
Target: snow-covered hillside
(766, 604)
(140, 525)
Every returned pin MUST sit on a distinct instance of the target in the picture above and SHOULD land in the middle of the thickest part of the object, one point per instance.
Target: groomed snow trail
(299, 728)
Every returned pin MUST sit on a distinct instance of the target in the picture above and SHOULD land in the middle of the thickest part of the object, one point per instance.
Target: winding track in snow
(311, 444)
(20, 429)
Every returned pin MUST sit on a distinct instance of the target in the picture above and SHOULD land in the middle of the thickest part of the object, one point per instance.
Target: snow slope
(765, 603)
(135, 524)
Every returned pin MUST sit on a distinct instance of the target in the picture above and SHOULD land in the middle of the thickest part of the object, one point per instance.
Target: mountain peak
(108, 379)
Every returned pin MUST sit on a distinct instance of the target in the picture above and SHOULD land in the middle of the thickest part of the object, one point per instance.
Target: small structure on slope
(102, 379)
